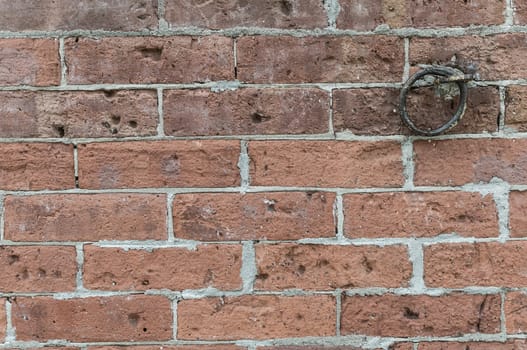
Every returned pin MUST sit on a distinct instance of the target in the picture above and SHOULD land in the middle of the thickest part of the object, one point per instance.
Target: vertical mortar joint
(249, 270)
(243, 165)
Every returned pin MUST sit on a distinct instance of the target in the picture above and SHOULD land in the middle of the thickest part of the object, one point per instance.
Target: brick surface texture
(235, 175)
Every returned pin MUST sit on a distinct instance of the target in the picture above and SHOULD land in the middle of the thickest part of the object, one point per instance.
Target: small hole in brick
(410, 314)
(115, 119)
(59, 129)
(145, 282)
(132, 124)
(109, 93)
(114, 131)
(144, 329)
(77, 39)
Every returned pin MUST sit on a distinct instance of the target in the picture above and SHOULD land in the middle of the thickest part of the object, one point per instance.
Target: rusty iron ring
(451, 75)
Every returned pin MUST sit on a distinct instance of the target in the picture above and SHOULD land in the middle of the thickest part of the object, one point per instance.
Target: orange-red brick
(324, 267)
(215, 266)
(95, 319)
(159, 164)
(256, 317)
(419, 214)
(326, 163)
(85, 217)
(272, 215)
(37, 268)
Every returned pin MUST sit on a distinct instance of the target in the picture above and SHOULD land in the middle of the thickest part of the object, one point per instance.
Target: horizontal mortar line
(353, 340)
(481, 30)
(215, 86)
(346, 241)
(236, 84)
(339, 136)
(484, 188)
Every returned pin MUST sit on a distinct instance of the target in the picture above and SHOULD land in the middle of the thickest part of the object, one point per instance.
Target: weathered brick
(215, 266)
(170, 347)
(29, 62)
(256, 317)
(286, 59)
(23, 15)
(274, 216)
(159, 164)
(420, 315)
(176, 59)
(519, 344)
(368, 14)
(85, 217)
(517, 210)
(419, 214)
(36, 166)
(493, 57)
(475, 264)
(516, 104)
(311, 347)
(287, 14)
(326, 163)
(37, 268)
(376, 111)
(324, 267)
(458, 162)
(516, 312)
(246, 112)
(94, 319)
(402, 346)
(520, 12)
(78, 114)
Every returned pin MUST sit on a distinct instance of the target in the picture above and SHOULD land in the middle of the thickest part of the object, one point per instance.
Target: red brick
(520, 12)
(3, 321)
(254, 216)
(256, 317)
(368, 14)
(177, 59)
(458, 162)
(48, 348)
(312, 347)
(515, 104)
(519, 344)
(85, 217)
(29, 62)
(376, 111)
(37, 269)
(287, 14)
(475, 264)
(215, 266)
(36, 166)
(119, 318)
(402, 346)
(326, 163)
(324, 267)
(159, 164)
(517, 208)
(246, 112)
(494, 57)
(165, 347)
(516, 312)
(419, 214)
(286, 59)
(126, 15)
(420, 315)
(78, 114)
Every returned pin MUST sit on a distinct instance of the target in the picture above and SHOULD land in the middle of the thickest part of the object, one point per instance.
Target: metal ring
(437, 71)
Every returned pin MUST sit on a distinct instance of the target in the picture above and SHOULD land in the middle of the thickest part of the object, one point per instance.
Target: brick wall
(234, 175)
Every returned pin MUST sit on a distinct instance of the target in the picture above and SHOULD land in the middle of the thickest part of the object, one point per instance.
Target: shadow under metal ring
(446, 72)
